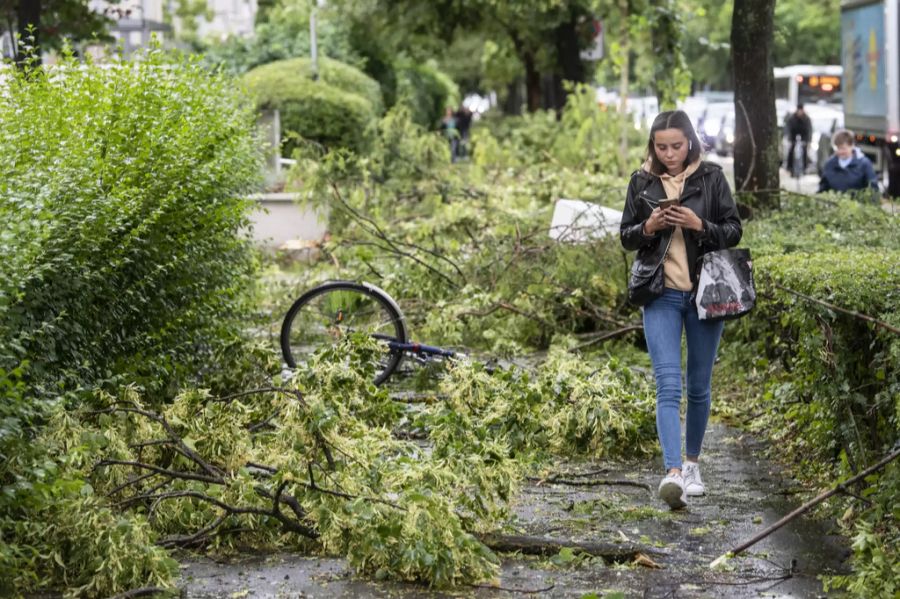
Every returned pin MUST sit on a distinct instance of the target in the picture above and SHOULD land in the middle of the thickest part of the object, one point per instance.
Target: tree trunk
(552, 94)
(568, 57)
(623, 78)
(28, 15)
(756, 147)
(513, 103)
(532, 82)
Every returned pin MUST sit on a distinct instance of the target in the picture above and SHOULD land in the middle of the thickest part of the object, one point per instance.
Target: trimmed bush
(427, 92)
(333, 72)
(338, 110)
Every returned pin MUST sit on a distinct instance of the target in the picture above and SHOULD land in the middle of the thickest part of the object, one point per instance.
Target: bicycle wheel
(324, 314)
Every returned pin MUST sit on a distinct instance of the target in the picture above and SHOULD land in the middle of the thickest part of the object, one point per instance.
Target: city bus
(808, 84)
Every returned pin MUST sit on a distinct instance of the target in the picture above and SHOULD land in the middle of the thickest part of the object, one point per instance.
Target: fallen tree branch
(859, 315)
(130, 482)
(593, 482)
(170, 473)
(610, 335)
(195, 539)
(177, 442)
(807, 506)
(533, 545)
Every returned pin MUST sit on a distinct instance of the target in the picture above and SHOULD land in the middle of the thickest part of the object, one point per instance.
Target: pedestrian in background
(848, 169)
(799, 126)
(703, 219)
(463, 123)
(451, 132)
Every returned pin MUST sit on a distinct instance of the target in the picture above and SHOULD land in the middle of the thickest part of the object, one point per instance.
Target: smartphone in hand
(663, 204)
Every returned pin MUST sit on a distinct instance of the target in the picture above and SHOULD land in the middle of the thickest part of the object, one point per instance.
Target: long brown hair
(673, 119)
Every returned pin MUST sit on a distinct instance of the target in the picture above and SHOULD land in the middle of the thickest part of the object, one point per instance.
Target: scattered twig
(759, 580)
(587, 473)
(370, 224)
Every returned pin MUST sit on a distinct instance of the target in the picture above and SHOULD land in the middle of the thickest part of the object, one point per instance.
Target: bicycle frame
(417, 348)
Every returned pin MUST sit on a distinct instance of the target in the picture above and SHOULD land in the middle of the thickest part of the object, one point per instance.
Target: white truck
(870, 55)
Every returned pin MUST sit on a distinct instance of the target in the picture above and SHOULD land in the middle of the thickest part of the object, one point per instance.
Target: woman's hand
(656, 222)
(682, 217)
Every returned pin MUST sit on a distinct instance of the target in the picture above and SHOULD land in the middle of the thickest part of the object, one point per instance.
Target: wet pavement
(744, 495)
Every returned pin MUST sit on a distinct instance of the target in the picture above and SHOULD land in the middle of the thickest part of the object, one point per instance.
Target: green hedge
(427, 92)
(840, 370)
(126, 260)
(338, 110)
(823, 384)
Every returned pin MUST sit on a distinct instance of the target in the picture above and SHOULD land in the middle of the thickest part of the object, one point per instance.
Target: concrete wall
(280, 219)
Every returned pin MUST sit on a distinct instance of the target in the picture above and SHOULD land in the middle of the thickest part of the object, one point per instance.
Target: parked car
(711, 122)
(724, 144)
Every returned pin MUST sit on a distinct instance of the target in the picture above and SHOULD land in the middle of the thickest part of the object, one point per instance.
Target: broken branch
(807, 506)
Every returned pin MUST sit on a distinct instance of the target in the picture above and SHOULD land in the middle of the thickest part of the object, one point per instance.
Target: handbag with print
(725, 289)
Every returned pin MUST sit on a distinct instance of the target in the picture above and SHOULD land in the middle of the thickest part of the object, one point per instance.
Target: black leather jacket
(706, 192)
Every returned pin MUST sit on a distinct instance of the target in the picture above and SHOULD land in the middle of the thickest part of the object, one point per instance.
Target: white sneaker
(671, 490)
(693, 484)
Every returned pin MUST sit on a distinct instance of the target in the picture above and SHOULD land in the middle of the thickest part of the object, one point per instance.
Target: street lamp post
(313, 45)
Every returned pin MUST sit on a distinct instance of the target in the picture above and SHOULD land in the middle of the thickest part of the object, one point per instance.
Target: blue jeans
(664, 319)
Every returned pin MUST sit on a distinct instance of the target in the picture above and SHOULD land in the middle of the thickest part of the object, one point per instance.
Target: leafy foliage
(282, 32)
(807, 36)
(123, 220)
(472, 273)
(126, 261)
(323, 448)
(426, 92)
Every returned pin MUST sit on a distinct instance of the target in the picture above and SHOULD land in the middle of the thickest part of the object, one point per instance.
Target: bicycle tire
(307, 306)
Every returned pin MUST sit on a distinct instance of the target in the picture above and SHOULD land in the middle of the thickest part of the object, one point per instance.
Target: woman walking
(702, 218)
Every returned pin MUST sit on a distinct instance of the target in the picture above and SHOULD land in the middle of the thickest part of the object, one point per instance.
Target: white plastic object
(576, 221)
